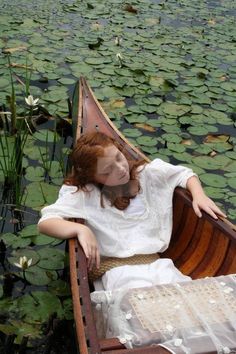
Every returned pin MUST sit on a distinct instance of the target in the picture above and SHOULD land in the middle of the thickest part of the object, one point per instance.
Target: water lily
(118, 41)
(119, 57)
(24, 263)
(31, 101)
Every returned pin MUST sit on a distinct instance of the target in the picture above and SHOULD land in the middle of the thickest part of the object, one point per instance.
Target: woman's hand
(89, 244)
(202, 202)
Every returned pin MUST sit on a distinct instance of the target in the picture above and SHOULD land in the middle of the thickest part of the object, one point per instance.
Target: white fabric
(190, 317)
(136, 206)
(144, 227)
(123, 234)
(161, 271)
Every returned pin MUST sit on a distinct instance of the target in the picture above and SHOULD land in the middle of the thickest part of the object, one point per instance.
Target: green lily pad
(46, 136)
(4, 82)
(155, 101)
(34, 173)
(51, 258)
(202, 129)
(146, 141)
(232, 182)
(59, 287)
(35, 275)
(133, 133)
(8, 238)
(172, 138)
(175, 109)
(214, 180)
(135, 118)
(39, 194)
(214, 193)
(206, 162)
(38, 306)
(67, 81)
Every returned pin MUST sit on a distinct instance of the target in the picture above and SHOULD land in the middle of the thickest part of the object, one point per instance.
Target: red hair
(89, 147)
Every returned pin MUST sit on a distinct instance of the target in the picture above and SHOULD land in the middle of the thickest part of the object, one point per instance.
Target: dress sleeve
(70, 204)
(174, 175)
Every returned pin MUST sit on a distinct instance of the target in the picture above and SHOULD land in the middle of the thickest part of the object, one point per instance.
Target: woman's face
(112, 168)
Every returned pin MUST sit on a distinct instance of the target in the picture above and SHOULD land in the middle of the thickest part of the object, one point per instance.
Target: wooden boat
(199, 247)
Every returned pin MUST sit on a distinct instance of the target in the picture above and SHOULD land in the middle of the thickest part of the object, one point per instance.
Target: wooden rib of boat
(199, 247)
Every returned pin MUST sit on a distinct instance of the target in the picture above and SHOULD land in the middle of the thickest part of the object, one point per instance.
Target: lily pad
(38, 306)
(146, 141)
(35, 275)
(214, 180)
(175, 109)
(51, 258)
(206, 162)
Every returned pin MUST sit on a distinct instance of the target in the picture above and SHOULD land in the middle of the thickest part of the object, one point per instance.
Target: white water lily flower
(118, 41)
(24, 263)
(119, 56)
(31, 101)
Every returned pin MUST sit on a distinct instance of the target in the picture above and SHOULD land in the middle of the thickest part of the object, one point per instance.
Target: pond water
(172, 93)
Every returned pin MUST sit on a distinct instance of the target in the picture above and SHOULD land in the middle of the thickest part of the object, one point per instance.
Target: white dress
(144, 227)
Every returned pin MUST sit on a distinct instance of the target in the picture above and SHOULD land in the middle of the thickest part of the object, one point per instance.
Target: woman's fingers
(209, 207)
(94, 257)
(89, 244)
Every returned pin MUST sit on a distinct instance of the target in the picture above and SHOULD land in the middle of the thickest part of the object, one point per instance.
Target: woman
(127, 207)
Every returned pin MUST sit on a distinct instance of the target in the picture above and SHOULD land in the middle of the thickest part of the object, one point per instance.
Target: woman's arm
(200, 200)
(64, 229)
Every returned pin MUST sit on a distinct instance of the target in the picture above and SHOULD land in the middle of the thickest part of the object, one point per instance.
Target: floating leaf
(201, 130)
(135, 118)
(133, 133)
(172, 138)
(219, 138)
(146, 141)
(34, 173)
(232, 182)
(35, 275)
(214, 180)
(214, 193)
(175, 109)
(38, 306)
(66, 81)
(51, 258)
(206, 162)
(59, 287)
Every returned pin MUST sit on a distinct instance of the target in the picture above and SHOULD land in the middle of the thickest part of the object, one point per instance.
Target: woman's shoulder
(68, 189)
(156, 164)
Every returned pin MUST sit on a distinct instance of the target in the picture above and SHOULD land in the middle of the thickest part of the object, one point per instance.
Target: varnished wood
(198, 247)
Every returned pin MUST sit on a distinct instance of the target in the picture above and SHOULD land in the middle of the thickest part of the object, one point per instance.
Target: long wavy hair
(83, 159)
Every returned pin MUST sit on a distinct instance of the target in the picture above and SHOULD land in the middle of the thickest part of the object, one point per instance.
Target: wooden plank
(145, 350)
(80, 332)
(215, 256)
